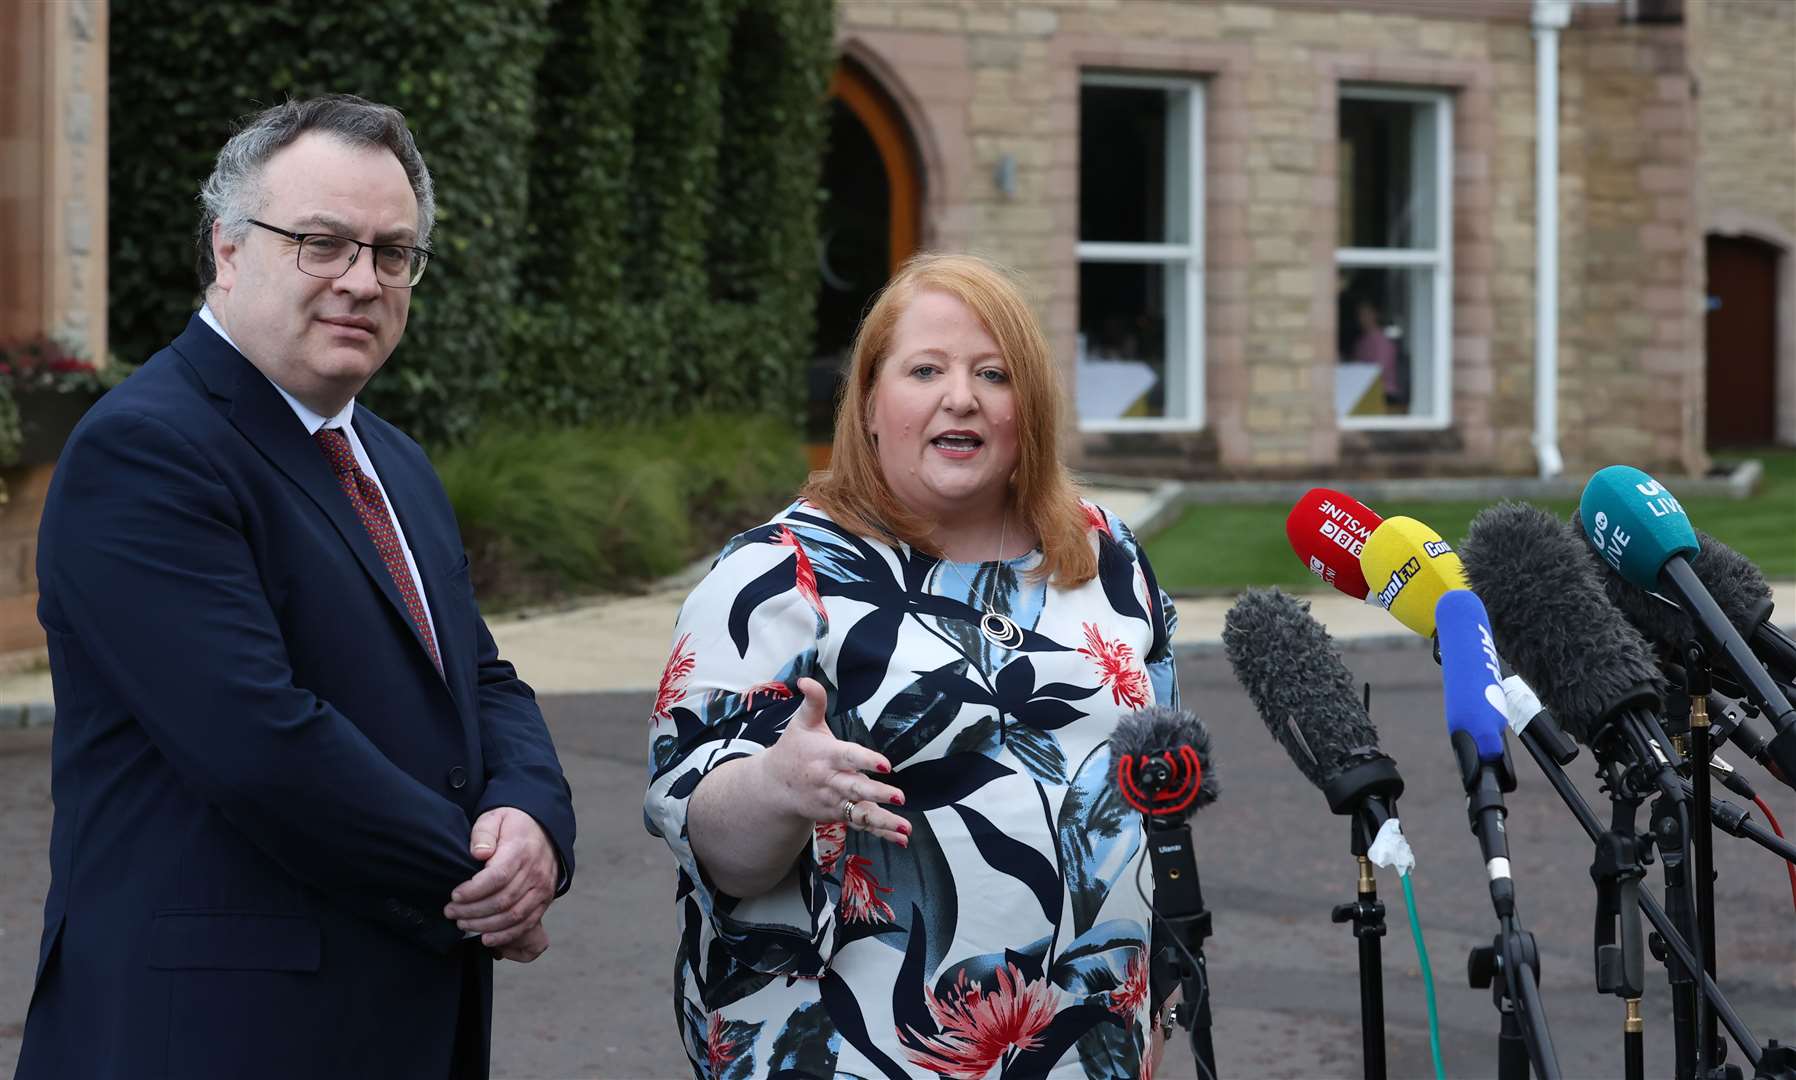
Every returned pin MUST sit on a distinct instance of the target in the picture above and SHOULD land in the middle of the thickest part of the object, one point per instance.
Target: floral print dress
(1010, 938)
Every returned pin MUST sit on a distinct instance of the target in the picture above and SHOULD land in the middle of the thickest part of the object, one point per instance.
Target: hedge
(627, 189)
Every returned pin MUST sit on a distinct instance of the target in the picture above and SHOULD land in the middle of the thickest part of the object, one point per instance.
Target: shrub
(551, 513)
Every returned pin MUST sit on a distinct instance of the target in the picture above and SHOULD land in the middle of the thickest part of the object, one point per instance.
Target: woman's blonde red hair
(853, 490)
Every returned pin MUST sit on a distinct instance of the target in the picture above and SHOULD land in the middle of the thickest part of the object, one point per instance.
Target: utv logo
(1612, 544)
(1399, 578)
(1436, 548)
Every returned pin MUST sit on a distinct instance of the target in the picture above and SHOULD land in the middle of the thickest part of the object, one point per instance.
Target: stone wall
(52, 240)
(1746, 61)
(982, 80)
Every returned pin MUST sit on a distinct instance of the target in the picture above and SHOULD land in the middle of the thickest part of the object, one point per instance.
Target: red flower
(719, 1051)
(807, 577)
(832, 837)
(673, 679)
(858, 902)
(979, 1027)
(1126, 999)
(1116, 668)
(1096, 518)
(772, 690)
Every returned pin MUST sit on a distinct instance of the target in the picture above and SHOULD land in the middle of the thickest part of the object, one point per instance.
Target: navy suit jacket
(263, 788)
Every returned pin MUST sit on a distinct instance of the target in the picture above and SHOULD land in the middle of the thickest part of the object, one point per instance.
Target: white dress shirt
(313, 422)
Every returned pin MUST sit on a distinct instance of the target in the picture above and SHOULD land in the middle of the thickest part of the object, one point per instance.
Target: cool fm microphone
(1328, 530)
(1287, 663)
(1412, 568)
(1161, 759)
(1477, 716)
(1642, 532)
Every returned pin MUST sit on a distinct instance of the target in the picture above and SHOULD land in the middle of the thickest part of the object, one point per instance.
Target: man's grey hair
(234, 192)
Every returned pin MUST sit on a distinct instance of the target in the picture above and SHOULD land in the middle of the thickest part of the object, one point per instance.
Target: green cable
(1434, 1020)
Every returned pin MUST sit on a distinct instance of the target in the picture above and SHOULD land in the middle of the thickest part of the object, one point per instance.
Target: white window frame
(1438, 259)
(1191, 253)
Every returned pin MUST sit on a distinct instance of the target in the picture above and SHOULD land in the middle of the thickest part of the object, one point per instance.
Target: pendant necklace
(998, 629)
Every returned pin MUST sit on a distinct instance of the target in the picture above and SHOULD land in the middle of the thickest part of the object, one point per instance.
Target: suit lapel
(269, 423)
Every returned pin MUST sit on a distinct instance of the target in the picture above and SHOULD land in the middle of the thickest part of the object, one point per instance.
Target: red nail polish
(882, 767)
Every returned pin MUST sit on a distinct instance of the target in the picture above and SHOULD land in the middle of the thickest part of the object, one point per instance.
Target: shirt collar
(310, 419)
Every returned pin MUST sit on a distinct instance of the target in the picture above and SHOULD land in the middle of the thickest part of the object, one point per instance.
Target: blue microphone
(1476, 723)
(1642, 532)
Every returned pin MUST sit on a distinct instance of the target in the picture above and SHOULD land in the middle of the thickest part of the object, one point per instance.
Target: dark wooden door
(1741, 338)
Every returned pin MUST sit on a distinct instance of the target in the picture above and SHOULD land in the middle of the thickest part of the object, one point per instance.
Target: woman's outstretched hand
(815, 775)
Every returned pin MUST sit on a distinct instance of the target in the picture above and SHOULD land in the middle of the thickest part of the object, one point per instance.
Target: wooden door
(1741, 339)
(867, 228)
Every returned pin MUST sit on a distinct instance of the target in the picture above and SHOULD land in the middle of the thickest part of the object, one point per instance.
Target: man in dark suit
(301, 803)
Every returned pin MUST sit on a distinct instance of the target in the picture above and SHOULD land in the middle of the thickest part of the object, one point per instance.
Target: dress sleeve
(743, 639)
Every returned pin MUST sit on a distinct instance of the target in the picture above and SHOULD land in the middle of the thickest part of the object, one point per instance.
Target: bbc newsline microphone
(1328, 530)
(1477, 717)
(1642, 532)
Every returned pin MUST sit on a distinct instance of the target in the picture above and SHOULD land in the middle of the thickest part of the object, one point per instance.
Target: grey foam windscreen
(1291, 671)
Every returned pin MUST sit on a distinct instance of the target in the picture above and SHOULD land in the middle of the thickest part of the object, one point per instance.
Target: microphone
(1738, 589)
(1286, 662)
(1304, 694)
(1401, 544)
(1409, 566)
(1552, 622)
(1161, 762)
(1328, 530)
(1642, 532)
(1476, 718)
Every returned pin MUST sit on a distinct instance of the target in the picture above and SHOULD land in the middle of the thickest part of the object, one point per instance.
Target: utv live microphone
(1161, 762)
(1328, 530)
(1641, 531)
(1738, 589)
(1477, 717)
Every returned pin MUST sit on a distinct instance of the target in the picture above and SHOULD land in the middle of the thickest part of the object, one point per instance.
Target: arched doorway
(1741, 340)
(867, 227)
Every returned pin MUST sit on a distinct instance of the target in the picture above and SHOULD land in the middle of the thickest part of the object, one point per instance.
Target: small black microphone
(1160, 762)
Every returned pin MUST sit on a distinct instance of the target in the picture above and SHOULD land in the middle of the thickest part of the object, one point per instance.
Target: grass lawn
(1225, 548)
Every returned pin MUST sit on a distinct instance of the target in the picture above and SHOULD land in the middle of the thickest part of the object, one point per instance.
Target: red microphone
(1328, 530)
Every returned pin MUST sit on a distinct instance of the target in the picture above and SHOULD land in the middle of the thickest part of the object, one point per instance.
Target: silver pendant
(1000, 631)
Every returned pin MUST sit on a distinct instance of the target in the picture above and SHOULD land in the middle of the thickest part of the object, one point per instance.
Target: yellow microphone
(1408, 567)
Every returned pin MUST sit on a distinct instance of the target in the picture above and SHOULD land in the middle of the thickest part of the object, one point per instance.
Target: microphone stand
(1770, 1062)
(1366, 793)
(1510, 966)
(1702, 842)
(1617, 870)
(1179, 905)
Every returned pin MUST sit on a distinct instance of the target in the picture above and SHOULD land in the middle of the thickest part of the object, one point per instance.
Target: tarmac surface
(1272, 859)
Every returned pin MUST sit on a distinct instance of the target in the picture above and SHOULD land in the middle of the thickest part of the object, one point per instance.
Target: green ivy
(626, 189)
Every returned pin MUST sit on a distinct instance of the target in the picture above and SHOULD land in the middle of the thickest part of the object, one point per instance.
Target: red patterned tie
(364, 494)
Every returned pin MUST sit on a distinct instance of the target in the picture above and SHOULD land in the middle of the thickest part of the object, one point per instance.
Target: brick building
(1299, 238)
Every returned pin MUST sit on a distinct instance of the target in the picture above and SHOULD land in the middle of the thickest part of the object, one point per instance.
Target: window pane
(1132, 320)
(1135, 164)
(1387, 174)
(1386, 342)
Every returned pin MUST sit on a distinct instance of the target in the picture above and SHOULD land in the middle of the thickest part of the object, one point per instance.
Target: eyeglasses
(325, 255)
